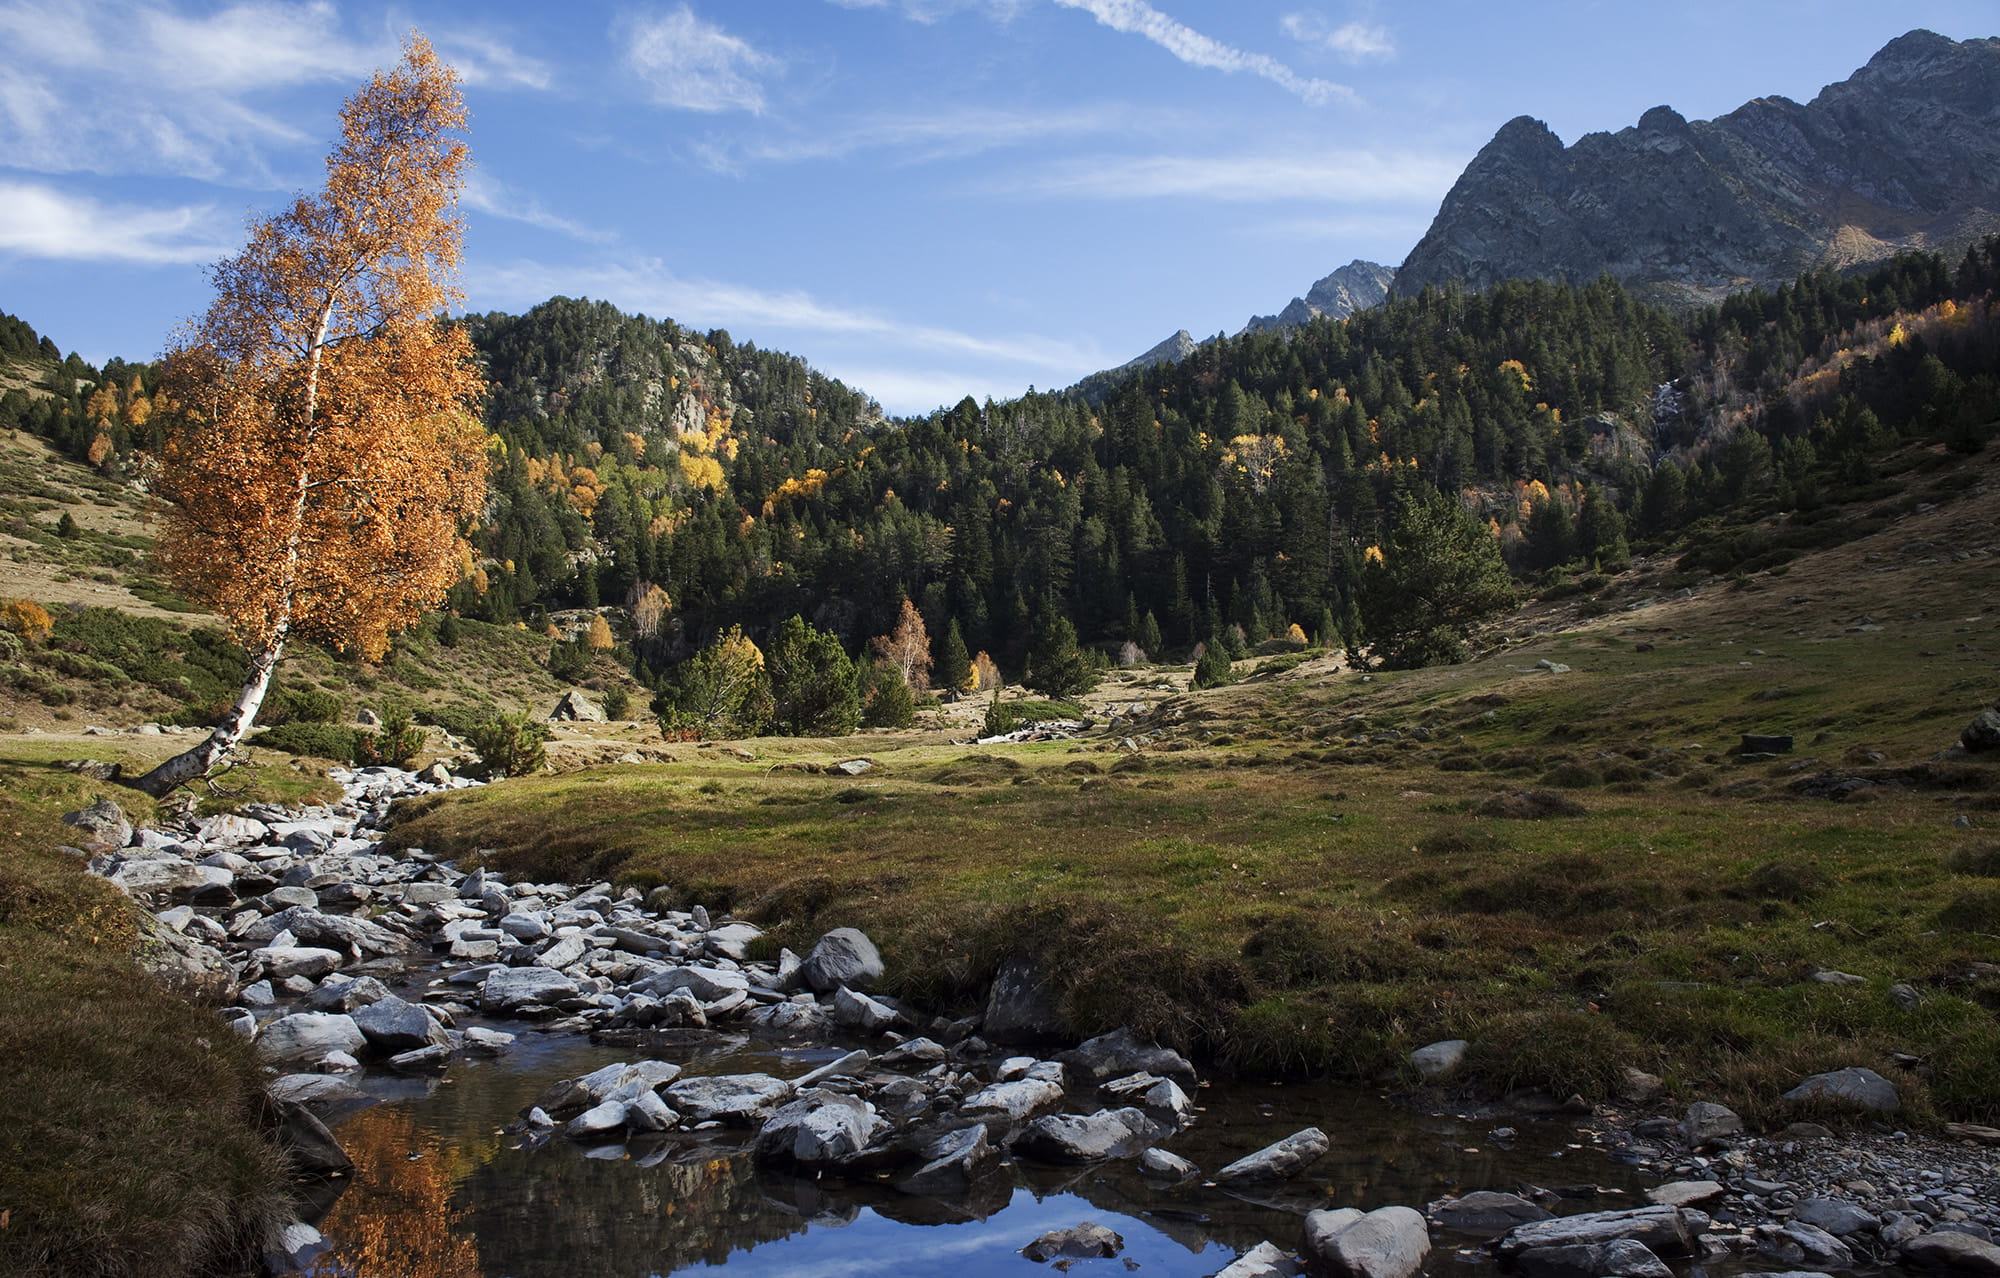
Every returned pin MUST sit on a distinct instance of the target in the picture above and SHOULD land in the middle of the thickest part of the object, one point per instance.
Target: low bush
(1007, 716)
(311, 705)
(321, 740)
(510, 744)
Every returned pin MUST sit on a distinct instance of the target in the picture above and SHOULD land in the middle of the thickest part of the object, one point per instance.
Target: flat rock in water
(739, 1100)
(1389, 1242)
(1620, 1258)
(309, 1036)
(1835, 1216)
(820, 1130)
(1856, 1086)
(509, 989)
(1085, 1138)
(1085, 1241)
(1280, 1160)
(1016, 1101)
(393, 1025)
(844, 956)
(709, 984)
(1665, 1231)
(1486, 1211)
(1165, 1165)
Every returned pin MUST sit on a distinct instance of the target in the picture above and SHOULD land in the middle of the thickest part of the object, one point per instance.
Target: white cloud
(1344, 177)
(40, 221)
(1135, 17)
(494, 198)
(1354, 41)
(949, 134)
(933, 10)
(694, 65)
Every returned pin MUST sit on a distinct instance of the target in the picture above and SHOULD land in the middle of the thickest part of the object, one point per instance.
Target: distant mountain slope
(1904, 154)
(1354, 287)
(1097, 386)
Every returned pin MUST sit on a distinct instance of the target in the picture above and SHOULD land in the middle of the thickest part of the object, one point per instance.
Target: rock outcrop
(1354, 287)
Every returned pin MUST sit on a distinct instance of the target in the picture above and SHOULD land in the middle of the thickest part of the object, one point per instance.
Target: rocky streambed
(361, 974)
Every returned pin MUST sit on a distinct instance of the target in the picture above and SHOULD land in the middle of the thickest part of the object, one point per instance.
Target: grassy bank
(130, 1138)
(1311, 874)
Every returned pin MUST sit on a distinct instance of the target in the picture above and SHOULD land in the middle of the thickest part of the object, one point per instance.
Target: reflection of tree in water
(545, 1213)
(397, 1221)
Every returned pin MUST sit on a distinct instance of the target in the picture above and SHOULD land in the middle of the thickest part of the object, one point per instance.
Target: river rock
(819, 1130)
(859, 1012)
(1836, 1217)
(230, 828)
(510, 990)
(1619, 1258)
(294, 1247)
(739, 1100)
(1122, 1052)
(283, 961)
(732, 940)
(182, 963)
(789, 1020)
(844, 956)
(103, 824)
(1686, 1193)
(1265, 1260)
(393, 1025)
(605, 1116)
(1280, 1160)
(1799, 1243)
(709, 984)
(1013, 1102)
(1485, 1211)
(646, 1112)
(308, 1145)
(1665, 1231)
(1389, 1242)
(1166, 1165)
(1021, 1006)
(168, 876)
(562, 952)
(526, 926)
(1079, 1242)
(952, 1163)
(337, 995)
(306, 1037)
(1085, 1138)
(1706, 1123)
(331, 931)
(1439, 1060)
(1952, 1252)
(315, 1091)
(1855, 1086)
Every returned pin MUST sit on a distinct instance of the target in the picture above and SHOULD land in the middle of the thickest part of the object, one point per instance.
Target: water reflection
(441, 1192)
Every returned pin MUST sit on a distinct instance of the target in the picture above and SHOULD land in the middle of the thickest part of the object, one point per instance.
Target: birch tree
(328, 456)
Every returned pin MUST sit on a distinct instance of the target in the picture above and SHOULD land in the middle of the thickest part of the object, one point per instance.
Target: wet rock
(605, 1116)
(819, 1130)
(739, 1100)
(1835, 1217)
(315, 1091)
(844, 956)
(1086, 1138)
(1486, 1211)
(309, 1146)
(393, 1026)
(1439, 1060)
(1165, 1165)
(1280, 1160)
(1686, 1193)
(1619, 1258)
(1390, 1242)
(1665, 1231)
(1799, 1243)
(1857, 1087)
(483, 1041)
(1079, 1242)
(1122, 1052)
(337, 995)
(293, 1248)
(952, 1163)
(1706, 1123)
(1952, 1253)
(1013, 1102)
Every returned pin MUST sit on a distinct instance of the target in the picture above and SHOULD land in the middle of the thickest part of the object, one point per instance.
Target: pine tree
(954, 665)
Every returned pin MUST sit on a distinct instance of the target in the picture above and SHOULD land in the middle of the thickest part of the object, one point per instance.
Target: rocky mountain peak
(1354, 287)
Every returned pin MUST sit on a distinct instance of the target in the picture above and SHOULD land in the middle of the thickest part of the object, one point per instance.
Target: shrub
(311, 705)
(1006, 716)
(460, 718)
(616, 701)
(322, 740)
(395, 746)
(1213, 669)
(27, 619)
(510, 744)
(568, 662)
(893, 705)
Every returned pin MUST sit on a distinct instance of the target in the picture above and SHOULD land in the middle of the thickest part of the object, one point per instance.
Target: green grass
(130, 1125)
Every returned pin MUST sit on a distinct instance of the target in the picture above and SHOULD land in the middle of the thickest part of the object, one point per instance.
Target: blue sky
(925, 198)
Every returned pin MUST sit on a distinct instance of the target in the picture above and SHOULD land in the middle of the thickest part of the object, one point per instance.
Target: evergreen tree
(812, 682)
(1438, 574)
(954, 664)
(1057, 667)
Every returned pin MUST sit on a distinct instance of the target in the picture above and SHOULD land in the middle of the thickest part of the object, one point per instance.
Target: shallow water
(441, 1191)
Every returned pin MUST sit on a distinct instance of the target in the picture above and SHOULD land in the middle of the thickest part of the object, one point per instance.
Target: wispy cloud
(488, 195)
(1353, 41)
(647, 285)
(692, 64)
(949, 134)
(1135, 17)
(41, 221)
(132, 87)
(933, 10)
(1343, 177)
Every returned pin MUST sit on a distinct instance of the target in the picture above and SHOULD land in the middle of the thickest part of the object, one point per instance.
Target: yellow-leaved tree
(328, 458)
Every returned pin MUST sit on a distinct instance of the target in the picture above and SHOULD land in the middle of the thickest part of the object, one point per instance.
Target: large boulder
(1122, 1052)
(1022, 1006)
(306, 1037)
(182, 963)
(738, 1100)
(1265, 1260)
(308, 1144)
(818, 1131)
(844, 956)
(576, 708)
(103, 824)
(1390, 1242)
(1854, 1087)
(393, 1025)
(1983, 733)
(1280, 1160)
(512, 990)
(1953, 1253)
(1086, 1138)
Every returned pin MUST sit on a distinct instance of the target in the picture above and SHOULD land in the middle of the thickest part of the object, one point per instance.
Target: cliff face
(1904, 154)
